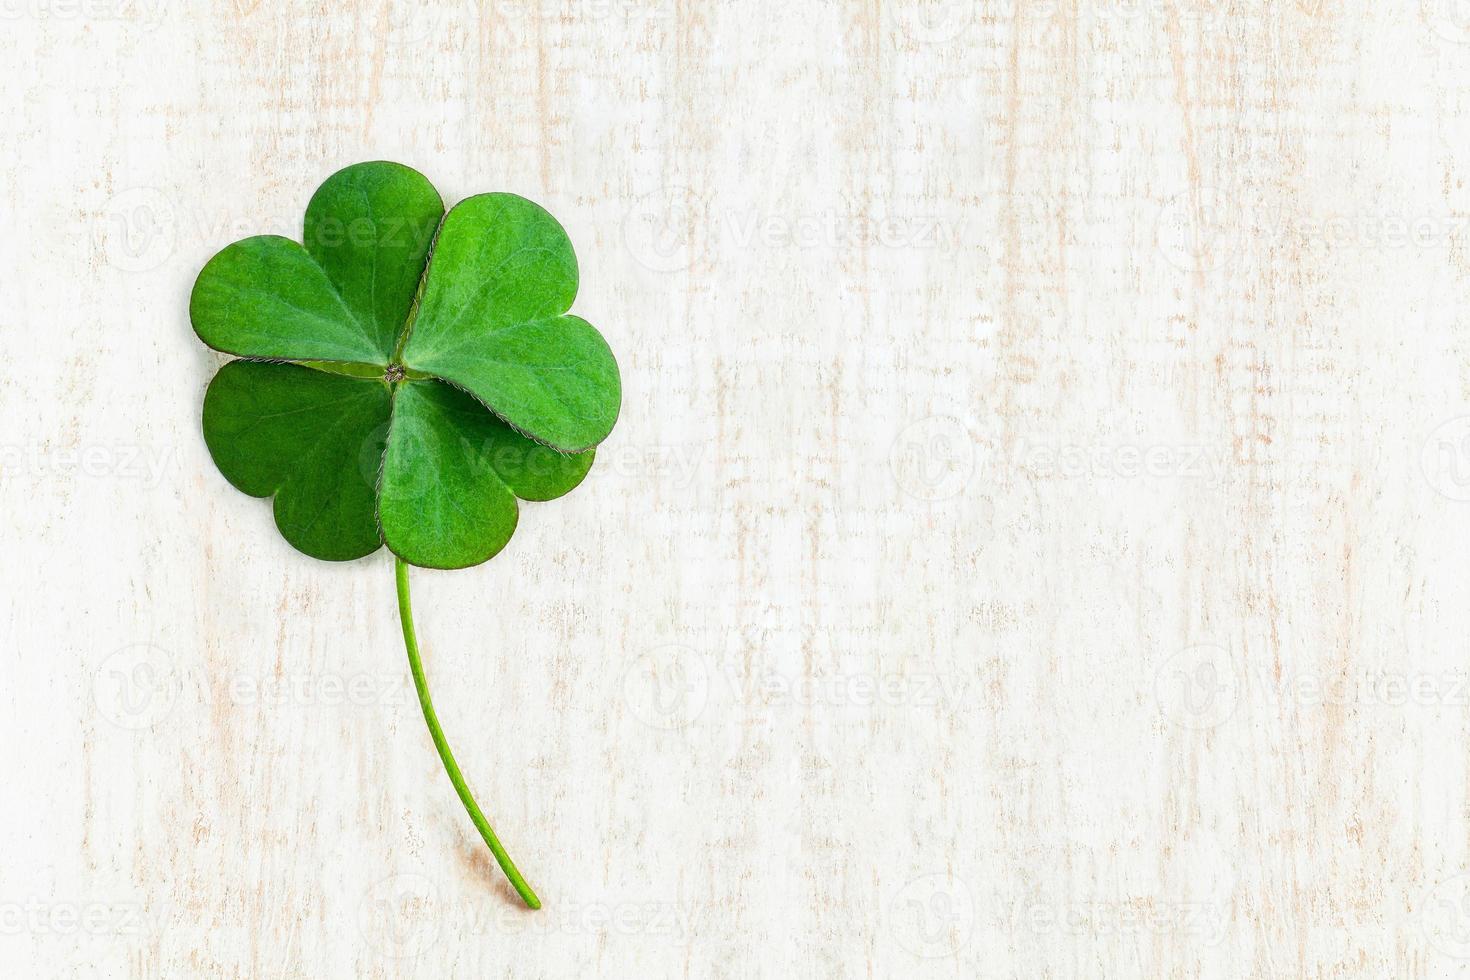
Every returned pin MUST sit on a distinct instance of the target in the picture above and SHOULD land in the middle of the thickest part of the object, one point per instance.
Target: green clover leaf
(405, 377)
(437, 348)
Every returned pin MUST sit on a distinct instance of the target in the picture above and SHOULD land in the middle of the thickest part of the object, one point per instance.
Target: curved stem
(405, 614)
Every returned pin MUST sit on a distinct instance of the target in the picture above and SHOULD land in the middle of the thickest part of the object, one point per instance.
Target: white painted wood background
(1034, 542)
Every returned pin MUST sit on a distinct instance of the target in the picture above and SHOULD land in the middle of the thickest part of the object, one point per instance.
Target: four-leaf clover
(403, 378)
(407, 374)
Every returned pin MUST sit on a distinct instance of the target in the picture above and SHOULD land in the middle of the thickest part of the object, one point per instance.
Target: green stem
(405, 613)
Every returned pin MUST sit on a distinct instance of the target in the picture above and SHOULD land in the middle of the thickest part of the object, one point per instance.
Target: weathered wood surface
(1033, 544)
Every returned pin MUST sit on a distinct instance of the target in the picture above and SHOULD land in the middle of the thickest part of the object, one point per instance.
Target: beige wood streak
(1033, 543)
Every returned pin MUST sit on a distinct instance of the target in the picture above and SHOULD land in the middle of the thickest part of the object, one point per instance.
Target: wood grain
(1033, 544)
